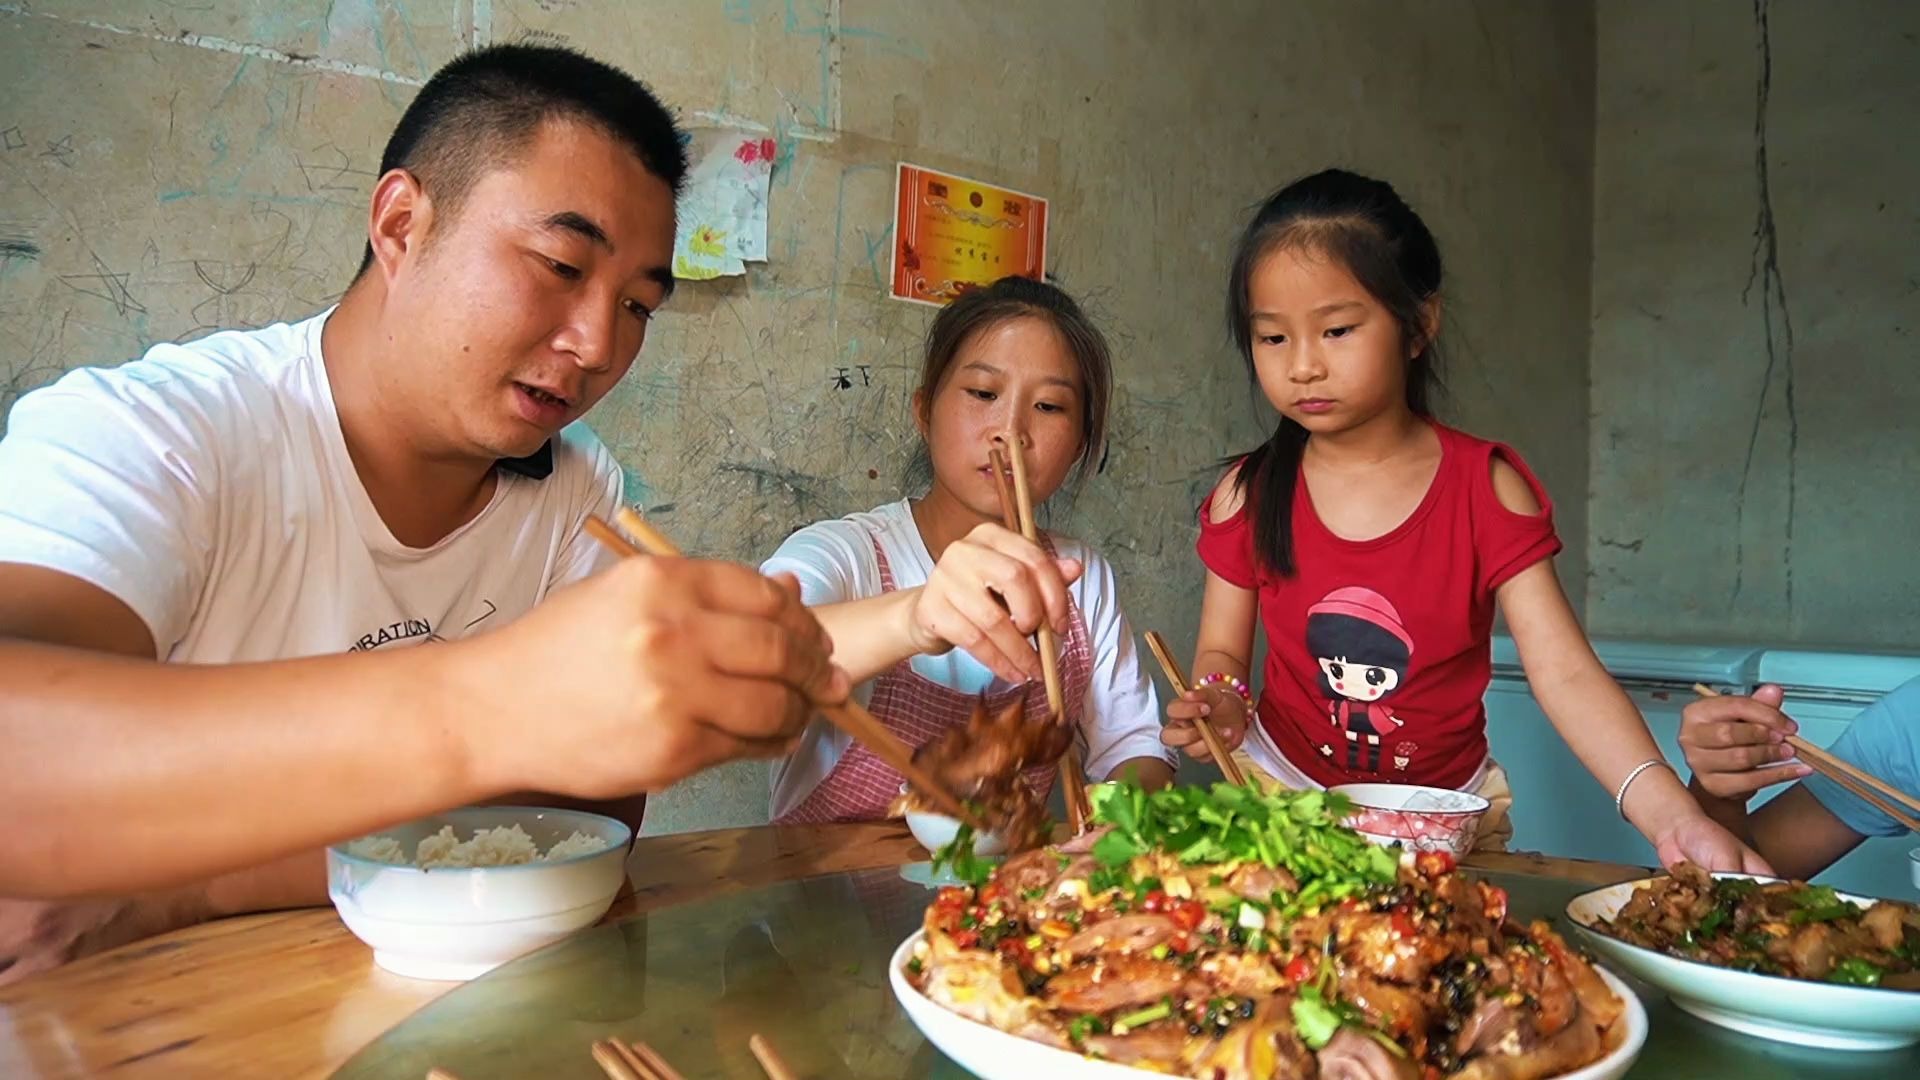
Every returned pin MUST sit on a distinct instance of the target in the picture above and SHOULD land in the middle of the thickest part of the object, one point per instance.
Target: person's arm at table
(121, 774)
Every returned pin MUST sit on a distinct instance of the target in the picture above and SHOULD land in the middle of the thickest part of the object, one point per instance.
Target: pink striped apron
(861, 787)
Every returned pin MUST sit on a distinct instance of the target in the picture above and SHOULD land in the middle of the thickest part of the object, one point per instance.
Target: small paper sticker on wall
(723, 209)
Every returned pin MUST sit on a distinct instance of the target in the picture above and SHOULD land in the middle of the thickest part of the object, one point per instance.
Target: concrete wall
(169, 169)
(1756, 308)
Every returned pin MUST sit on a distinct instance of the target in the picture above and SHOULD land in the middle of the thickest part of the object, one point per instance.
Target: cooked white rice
(506, 846)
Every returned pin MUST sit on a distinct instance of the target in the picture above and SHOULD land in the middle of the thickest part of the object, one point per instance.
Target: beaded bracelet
(1232, 682)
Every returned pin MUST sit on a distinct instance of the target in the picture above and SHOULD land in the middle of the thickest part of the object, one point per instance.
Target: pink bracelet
(1237, 685)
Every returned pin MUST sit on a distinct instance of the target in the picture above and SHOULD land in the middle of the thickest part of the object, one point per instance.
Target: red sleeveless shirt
(1379, 651)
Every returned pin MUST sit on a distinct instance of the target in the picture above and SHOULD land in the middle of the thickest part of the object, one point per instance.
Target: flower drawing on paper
(707, 240)
(755, 150)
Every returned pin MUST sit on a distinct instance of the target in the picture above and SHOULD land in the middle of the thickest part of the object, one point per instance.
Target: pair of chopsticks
(638, 1061)
(1228, 767)
(1896, 804)
(632, 1061)
(1016, 514)
(850, 717)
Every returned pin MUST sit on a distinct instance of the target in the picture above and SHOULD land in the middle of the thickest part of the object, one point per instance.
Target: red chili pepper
(1433, 863)
(966, 939)
(1299, 969)
(1155, 902)
(991, 892)
(1188, 914)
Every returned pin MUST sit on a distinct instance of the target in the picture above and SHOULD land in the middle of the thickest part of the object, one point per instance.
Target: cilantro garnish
(1299, 831)
(959, 857)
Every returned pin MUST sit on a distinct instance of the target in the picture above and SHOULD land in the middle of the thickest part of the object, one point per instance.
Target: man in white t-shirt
(402, 469)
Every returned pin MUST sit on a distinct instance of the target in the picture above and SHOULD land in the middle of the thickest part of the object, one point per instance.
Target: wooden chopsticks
(632, 1061)
(1896, 804)
(850, 717)
(640, 1061)
(1071, 783)
(1009, 513)
(769, 1059)
(1228, 767)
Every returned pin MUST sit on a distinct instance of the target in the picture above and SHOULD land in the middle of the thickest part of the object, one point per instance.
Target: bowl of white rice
(455, 895)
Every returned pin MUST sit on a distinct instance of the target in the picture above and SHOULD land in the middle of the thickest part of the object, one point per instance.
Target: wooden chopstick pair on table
(639, 1061)
(1891, 801)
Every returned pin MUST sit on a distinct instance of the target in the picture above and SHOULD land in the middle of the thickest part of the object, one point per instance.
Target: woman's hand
(989, 592)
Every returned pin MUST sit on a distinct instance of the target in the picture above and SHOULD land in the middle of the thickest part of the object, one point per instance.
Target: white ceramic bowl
(1422, 818)
(1787, 1010)
(457, 923)
(935, 831)
(992, 1054)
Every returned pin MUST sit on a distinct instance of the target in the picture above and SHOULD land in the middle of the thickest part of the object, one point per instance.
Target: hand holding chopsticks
(848, 715)
(1893, 802)
(1178, 679)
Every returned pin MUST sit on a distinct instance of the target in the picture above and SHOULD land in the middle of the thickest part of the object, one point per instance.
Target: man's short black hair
(486, 106)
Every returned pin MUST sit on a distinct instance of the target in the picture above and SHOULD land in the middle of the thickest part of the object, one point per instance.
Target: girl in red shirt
(1374, 544)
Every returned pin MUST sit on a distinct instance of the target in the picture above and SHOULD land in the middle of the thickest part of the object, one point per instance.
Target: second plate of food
(1756, 955)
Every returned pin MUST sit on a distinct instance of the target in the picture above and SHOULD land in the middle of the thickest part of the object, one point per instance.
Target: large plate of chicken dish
(1780, 959)
(1229, 934)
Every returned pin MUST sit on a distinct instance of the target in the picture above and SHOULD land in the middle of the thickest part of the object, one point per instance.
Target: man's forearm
(121, 776)
(296, 881)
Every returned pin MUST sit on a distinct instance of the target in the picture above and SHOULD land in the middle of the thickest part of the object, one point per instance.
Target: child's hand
(1223, 708)
(1707, 844)
(1738, 745)
(989, 591)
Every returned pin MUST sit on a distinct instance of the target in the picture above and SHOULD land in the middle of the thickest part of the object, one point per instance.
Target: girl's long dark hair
(1364, 225)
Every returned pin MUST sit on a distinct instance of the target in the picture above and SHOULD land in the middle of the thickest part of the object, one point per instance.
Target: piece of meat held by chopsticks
(983, 762)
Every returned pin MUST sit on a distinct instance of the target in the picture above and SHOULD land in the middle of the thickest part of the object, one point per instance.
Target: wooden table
(294, 994)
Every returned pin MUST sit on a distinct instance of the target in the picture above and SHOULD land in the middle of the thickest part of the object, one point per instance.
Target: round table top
(780, 931)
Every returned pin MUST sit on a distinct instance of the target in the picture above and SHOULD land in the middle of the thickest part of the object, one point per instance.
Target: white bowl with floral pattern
(1418, 817)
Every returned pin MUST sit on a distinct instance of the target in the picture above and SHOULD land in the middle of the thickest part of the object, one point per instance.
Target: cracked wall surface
(170, 167)
(1755, 319)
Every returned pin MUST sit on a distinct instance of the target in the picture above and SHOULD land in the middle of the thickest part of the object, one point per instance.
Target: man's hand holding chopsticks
(652, 671)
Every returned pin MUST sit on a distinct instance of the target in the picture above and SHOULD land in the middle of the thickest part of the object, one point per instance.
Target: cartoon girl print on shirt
(1355, 636)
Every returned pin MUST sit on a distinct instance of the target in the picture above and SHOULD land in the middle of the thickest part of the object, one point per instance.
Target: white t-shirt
(208, 487)
(835, 563)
